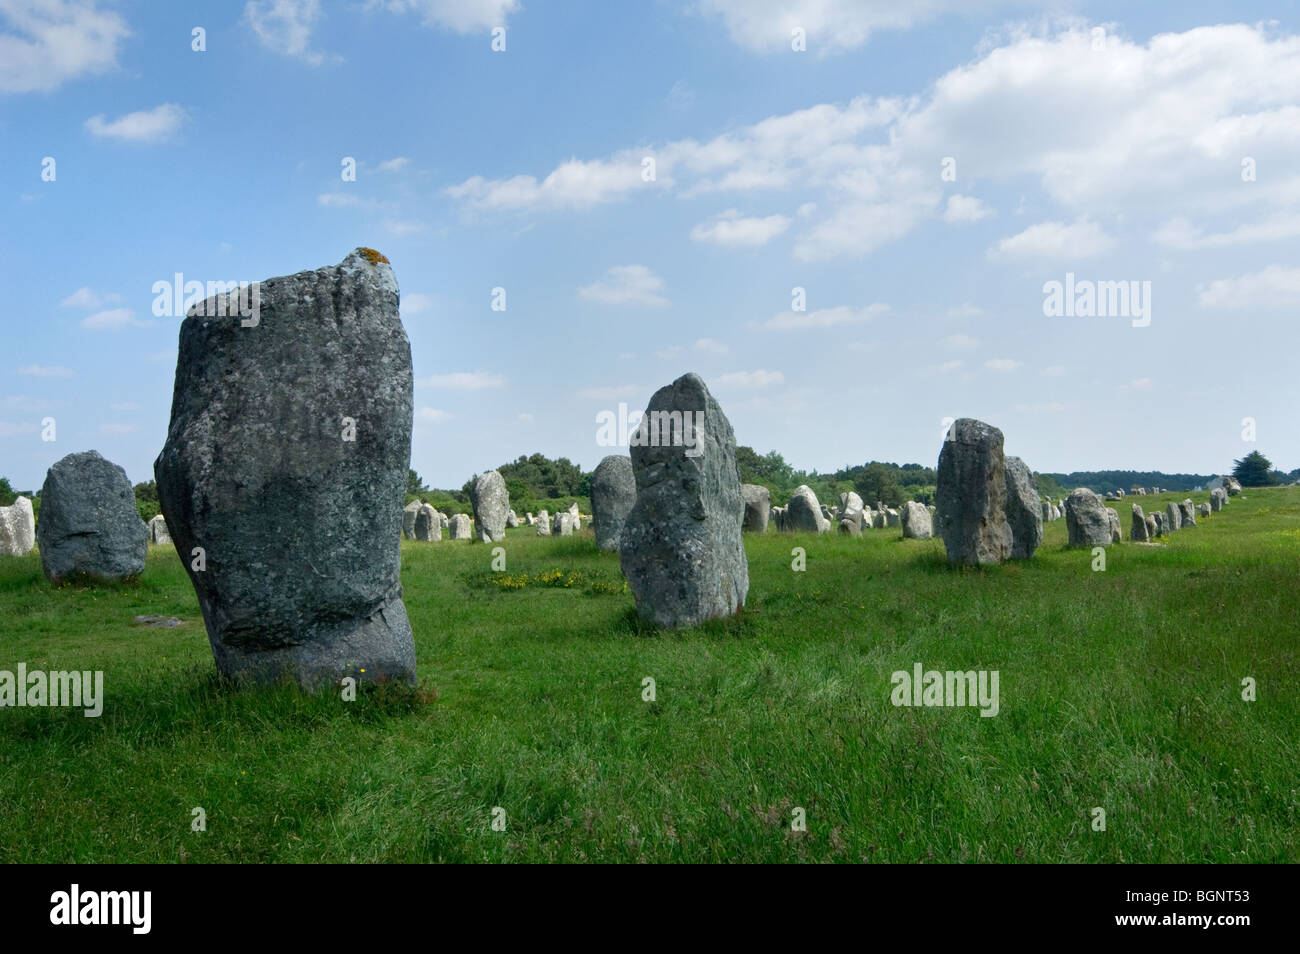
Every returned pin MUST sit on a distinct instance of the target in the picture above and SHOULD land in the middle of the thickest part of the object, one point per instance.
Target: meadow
(1120, 689)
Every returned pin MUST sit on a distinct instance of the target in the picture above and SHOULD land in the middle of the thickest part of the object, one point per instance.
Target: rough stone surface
(850, 501)
(1116, 527)
(1153, 528)
(916, 521)
(1087, 524)
(971, 494)
(1024, 509)
(682, 551)
(1187, 513)
(613, 492)
(408, 518)
(544, 524)
(491, 503)
(287, 460)
(850, 527)
(1203, 509)
(1138, 529)
(17, 528)
(90, 527)
(428, 525)
(512, 520)
(158, 533)
(758, 505)
(460, 527)
(565, 524)
(1173, 517)
(803, 514)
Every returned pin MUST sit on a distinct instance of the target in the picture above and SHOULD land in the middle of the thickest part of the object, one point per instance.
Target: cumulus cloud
(112, 320)
(962, 209)
(285, 26)
(1001, 365)
(431, 415)
(1273, 287)
(626, 285)
(464, 381)
(393, 165)
(823, 318)
(143, 126)
(459, 16)
(1053, 241)
(46, 43)
(730, 228)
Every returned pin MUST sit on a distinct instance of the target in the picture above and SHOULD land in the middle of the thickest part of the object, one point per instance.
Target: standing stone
(286, 461)
(1232, 485)
(971, 494)
(803, 514)
(544, 524)
(459, 527)
(565, 524)
(850, 501)
(408, 518)
(1203, 509)
(1116, 528)
(777, 519)
(1187, 513)
(491, 502)
(1173, 518)
(17, 528)
(1216, 499)
(532, 520)
(850, 527)
(1158, 516)
(428, 525)
(681, 550)
(916, 521)
(1153, 527)
(1047, 511)
(758, 504)
(1087, 524)
(1138, 528)
(90, 527)
(512, 520)
(158, 531)
(443, 522)
(892, 518)
(613, 492)
(1024, 509)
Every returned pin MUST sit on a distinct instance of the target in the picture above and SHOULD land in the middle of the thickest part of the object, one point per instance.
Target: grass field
(1118, 689)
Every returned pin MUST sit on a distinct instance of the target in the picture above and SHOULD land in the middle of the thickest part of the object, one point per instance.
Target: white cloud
(13, 429)
(431, 415)
(144, 126)
(393, 165)
(47, 371)
(1273, 287)
(965, 310)
(574, 184)
(710, 346)
(949, 366)
(626, 285)
(526, 418)
(346, 200)
(823, 318)
(1054, 371)
(401, 229)
(962, 209)
(46, 43)
(1181, 234)
(460, 16)
(464, 381)
(611, 393)
(285, 26)
(1138, 384)
(1053, 240)
(730, 228)
(417, 303)
(750, 379)
(959, 342)
(85, 298)
(110, 320)
(1001, 365)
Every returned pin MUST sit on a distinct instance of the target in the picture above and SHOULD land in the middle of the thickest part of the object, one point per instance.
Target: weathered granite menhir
(285, 468)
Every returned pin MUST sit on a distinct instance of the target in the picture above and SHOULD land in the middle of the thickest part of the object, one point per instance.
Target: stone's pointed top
(361, 253)
(373, 263)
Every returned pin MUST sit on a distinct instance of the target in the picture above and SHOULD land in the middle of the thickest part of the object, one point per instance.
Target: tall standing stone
(1116, 528)
(971, 494)
(916, 521)
(90, 527)
(428, 525)
(459, 527)
(544, 524)
(409, 513)
(1087, 523)
(286, 463)
(1187, 513)
(1024, 510)
(803, 514)
(491, 502)
(613, 492)
(17, 528)
(758, 504)
(681, 549)
(1138, 528)
(1173, 517)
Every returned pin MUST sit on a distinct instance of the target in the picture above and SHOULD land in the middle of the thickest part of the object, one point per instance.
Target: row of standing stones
(296, 519)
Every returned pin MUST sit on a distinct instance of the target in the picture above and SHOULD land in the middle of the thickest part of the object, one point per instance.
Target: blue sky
(1086, 138)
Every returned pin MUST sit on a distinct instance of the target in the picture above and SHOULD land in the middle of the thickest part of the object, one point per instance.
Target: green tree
(7, 495)
(1254, 470)
(414, 485)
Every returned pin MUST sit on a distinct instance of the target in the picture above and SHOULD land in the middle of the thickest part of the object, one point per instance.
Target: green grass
(1119, 689)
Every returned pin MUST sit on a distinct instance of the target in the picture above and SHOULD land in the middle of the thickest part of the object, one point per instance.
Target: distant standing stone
(803, 514)
(512, 520)
(1187, 513)
(564, 524)
(1173, 517)
(1153, 527)
(428, 525)
(916, 521)
(1116, 528)
(158, 531)
(613, 492)
(1087, 522)
(544, 524)
(971, 494)
(460, 527)
(408, 518)
(491, 503)
(17, 528)
(758, 504)
(1024, 510)
(681, 549)
(89, 524)
(1138, 529)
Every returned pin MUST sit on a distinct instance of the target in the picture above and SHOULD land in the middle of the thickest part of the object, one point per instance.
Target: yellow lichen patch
(375, 257)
